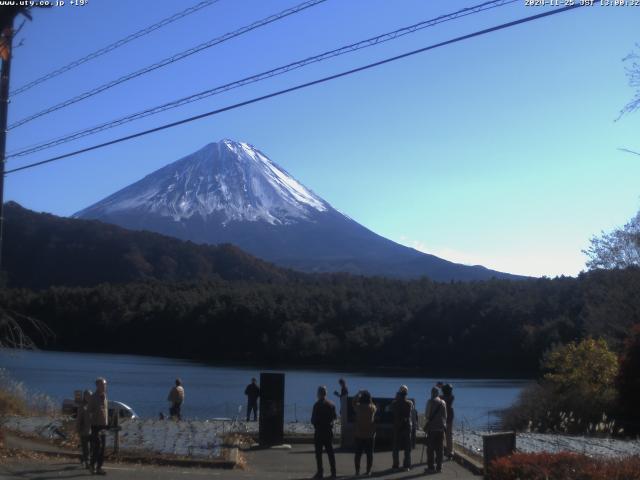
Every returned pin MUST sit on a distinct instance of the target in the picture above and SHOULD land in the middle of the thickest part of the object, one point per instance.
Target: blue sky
(500, 150)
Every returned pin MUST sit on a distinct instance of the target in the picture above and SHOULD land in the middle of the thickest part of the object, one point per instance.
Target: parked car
(124, 411)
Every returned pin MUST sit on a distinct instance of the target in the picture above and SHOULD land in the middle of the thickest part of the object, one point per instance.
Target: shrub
(529, 412)
(563, 466)
(576, 395)
(11, 404)
(583, 376)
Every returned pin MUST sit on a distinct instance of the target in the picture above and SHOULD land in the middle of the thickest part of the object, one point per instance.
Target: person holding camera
(365, 428)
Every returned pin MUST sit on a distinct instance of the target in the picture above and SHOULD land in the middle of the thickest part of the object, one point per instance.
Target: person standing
(253, 393)
(322, 418)
(99, 416)
(448, 397)
(436, 417)
(176, 399)
(365, 429)
(402, 409)
(83, 427)
(343, 393)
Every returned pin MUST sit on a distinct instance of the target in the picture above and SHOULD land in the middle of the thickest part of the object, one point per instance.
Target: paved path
(297, 463)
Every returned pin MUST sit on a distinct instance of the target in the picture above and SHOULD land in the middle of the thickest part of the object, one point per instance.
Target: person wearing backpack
(436, 415)
(402, 409)
(365, 429)
(448, 397)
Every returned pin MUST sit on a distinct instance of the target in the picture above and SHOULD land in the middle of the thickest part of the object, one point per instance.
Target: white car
(125, 412)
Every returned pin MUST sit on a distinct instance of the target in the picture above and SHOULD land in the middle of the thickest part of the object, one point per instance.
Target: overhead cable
(183, 121)
(167, 61)
(113, 46)
(261, 76)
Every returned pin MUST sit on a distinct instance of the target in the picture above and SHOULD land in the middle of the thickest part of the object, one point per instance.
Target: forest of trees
(495, 328)
(98, 287)
(41, 250)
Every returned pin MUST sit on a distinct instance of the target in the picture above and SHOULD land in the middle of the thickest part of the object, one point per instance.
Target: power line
(263, 76)
(299, 87)
(169, 60)
(113, 46)
(627, 150)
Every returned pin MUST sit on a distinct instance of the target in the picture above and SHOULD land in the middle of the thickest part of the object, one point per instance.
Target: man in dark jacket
(402, 409)
(253, 393)
(322, 418)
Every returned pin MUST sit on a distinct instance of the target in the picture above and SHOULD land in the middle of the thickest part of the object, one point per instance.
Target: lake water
(211, 391)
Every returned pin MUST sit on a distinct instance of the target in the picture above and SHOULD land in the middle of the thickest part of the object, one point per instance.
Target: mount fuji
(230, 192)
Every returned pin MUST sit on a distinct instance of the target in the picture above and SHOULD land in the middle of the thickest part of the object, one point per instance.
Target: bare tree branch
(626, 150)
(13, 326)
(619, 248)
(632, 69)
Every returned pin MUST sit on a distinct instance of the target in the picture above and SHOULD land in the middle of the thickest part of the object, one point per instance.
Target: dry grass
(241, 464)
(21, 401)
(563, 466)
(238, 440)
(12, 404)
(15, 399)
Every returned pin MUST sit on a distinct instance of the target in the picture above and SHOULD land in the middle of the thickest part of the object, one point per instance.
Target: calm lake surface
(144, 382)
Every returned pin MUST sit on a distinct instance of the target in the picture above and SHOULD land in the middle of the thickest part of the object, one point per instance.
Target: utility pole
(6, 52)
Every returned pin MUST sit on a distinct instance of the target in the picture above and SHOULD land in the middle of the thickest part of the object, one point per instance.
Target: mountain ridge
(42, 250)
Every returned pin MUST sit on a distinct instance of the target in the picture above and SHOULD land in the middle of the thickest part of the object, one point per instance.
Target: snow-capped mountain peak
(230, 180)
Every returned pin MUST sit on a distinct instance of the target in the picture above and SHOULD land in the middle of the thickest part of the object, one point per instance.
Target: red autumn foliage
(563, 466)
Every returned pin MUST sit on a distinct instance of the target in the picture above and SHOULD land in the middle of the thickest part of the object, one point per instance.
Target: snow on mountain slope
(229, 178)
